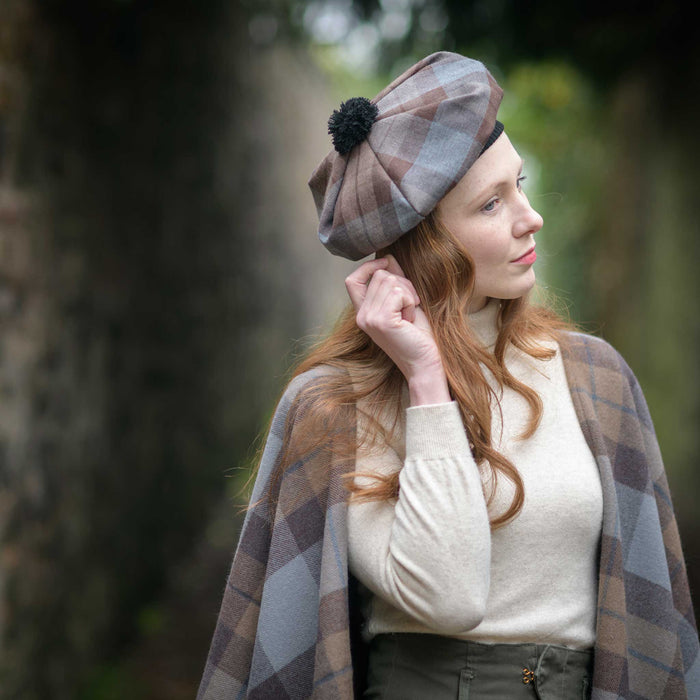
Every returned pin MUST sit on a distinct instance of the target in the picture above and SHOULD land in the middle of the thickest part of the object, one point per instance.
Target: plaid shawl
(284, 626)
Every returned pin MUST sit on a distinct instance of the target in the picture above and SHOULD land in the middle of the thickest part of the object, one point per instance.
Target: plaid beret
(432, 123)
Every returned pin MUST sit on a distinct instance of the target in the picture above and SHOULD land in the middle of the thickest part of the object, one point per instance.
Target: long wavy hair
(442, 273)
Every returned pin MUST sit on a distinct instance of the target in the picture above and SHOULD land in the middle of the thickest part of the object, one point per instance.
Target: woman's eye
(520, 181)
(491, 205)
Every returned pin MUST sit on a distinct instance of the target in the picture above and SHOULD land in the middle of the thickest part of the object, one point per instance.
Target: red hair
(442, 273)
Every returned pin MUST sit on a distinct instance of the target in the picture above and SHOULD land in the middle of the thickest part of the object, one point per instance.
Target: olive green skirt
(432, 667)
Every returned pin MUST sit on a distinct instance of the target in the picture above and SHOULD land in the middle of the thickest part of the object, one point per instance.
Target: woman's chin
(515, 291)
(525, 284)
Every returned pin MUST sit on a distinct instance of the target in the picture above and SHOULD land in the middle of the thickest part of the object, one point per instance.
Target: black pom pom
(350, 124)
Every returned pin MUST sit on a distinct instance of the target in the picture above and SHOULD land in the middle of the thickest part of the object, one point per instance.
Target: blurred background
(160, 274)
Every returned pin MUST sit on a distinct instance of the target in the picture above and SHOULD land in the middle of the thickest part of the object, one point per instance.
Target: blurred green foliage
(112, 682)
(552, 114)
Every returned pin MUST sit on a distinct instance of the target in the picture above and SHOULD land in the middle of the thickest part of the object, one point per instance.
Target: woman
(459, 497)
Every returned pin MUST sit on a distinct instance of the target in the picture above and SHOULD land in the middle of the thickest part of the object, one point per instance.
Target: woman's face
(488, 212)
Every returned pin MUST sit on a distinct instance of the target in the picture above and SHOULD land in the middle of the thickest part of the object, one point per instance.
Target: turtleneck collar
(485, 322)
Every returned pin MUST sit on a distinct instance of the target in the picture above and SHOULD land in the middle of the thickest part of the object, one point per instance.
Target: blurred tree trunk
(167, 662)
(137, 311)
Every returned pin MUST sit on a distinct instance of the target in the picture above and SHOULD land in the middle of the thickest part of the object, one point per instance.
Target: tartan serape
(283, 627)
(284, 632)
(646, 635)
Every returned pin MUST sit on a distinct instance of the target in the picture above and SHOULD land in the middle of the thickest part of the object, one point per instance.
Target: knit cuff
(435, 431)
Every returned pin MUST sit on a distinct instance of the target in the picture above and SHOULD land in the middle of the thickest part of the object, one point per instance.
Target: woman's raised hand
(388, 310)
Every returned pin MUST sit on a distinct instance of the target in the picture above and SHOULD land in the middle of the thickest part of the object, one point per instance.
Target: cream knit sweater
(430, 560)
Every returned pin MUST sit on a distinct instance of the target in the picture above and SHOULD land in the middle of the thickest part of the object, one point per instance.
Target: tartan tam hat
(398, 155)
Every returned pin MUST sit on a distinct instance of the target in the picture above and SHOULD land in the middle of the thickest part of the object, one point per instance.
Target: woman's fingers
(387, 308)
(359, 282)
(386, 304)
(389, 296)
(356, 282)
(408, 313)
(394, 268)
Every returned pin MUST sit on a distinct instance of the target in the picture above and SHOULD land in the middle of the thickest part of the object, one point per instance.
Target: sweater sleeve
(427, 553)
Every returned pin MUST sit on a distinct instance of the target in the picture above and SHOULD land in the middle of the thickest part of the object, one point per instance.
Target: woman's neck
(484, 322)
(476, 304)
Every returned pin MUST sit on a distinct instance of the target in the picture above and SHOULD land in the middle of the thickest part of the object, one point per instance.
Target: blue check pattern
(284, 626)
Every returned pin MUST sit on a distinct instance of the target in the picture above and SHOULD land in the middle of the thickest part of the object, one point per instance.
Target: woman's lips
(528, 258)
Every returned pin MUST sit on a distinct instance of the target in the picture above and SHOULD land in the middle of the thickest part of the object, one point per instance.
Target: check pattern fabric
(282, 630)
(432, 124)
(646, 635)
(284, 626)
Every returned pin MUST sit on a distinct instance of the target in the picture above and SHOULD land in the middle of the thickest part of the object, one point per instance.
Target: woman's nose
(529, 221)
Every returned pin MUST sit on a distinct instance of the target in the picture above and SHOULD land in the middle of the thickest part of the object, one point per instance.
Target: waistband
(408, 666)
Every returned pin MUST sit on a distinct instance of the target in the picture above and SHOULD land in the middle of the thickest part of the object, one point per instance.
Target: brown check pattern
(433, 122)
(284, 626)
(282, 630)
(647, 642)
